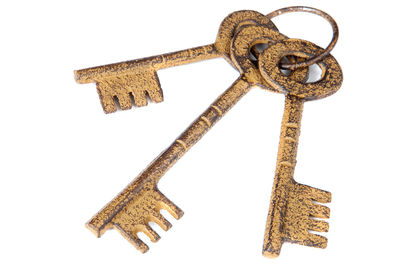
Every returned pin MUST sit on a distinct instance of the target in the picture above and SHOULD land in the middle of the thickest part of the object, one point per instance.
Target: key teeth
(308, 239)
(131, 235)
(143, 84)
(106, 99)
(320, 211)
(299, 216)
(132, 238)
(135, 216)
(154, 90)
(270, 252)
(124, 101)
(317, 241)
(159, 219)
(318, 225)
(140, 84)
(156, 95)
(168, 205)
(139, 98)
(154, 237)
(315, 194)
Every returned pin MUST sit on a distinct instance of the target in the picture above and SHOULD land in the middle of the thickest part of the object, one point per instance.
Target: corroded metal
(292, 205)
(131, 81)
(141, 201)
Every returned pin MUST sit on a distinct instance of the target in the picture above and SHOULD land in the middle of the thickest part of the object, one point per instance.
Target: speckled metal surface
(141, 201)
(291, 203)
(129, 82)
(293, 206)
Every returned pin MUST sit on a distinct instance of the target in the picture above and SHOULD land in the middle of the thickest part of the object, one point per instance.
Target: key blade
(318, 225)
(135, 215)
(126, 88)
(312, 240)
(132, 237)
(298, 220)
(315, 194)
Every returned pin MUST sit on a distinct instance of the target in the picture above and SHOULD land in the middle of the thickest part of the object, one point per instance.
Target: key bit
(292, 208)
(132, 82)
(136, 215)
(300, 214)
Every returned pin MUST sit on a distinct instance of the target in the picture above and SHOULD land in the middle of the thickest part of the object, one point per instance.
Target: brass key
(141, 201)
(292, 208)
(133, 81)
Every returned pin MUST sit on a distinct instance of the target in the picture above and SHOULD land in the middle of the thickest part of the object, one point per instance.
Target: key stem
(286, 162)
(154, 62)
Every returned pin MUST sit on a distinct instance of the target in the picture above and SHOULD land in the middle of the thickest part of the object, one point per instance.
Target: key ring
(320, 13)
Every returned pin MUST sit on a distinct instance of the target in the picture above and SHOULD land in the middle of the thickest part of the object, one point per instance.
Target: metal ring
(320, 13)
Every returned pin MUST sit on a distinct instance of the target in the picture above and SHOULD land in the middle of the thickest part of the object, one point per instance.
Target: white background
(62, 158)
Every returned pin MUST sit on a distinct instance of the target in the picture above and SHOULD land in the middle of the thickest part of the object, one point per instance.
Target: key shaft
(285, 166)
(153, 62)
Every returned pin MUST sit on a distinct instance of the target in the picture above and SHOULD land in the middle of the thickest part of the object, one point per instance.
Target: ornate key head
(233, 23)
(270, 59)
(241, 47)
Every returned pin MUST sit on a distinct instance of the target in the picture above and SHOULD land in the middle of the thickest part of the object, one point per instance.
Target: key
(141, 201)
(293, 206)
(134, 81)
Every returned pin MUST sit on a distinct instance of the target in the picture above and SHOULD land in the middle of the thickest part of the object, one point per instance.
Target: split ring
(320, 13)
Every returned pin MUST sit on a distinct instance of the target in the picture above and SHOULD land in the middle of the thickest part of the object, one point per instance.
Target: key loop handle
(320, 13)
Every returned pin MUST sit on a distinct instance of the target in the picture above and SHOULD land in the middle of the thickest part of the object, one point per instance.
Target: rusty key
(293, 206)
(136, 80)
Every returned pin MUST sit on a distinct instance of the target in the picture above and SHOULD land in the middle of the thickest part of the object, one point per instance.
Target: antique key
(291, 203)
(141, 201)
(292, 207)
(134, 81)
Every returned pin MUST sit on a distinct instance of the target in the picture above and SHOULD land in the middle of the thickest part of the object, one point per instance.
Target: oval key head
(270, 59)
(231, 25)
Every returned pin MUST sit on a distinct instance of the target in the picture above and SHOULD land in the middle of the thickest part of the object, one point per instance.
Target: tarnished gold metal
(141, 201)
(292, 207)
(134, 81)
(292, 204)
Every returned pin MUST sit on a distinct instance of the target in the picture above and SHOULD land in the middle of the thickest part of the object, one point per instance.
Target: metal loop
(320, 13)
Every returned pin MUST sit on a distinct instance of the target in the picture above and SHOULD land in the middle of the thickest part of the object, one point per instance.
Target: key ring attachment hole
(314, 72)
(328, 49)
(330, 82)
